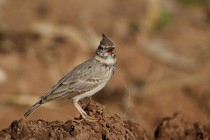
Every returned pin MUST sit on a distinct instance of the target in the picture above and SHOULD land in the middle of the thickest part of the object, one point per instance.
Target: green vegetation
(164, 20)
(194, 2)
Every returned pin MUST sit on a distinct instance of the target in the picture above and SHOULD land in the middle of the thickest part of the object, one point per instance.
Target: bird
(84, 80)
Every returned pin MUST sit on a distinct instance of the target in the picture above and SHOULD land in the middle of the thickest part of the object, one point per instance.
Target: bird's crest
(105, 41)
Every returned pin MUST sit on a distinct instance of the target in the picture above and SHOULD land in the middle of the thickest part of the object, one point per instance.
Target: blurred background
(163, 51)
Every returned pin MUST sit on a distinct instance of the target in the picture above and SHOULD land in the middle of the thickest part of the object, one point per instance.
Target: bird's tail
(33, 108)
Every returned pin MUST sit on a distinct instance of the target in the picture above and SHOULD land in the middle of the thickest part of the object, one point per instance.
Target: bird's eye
(100, 47)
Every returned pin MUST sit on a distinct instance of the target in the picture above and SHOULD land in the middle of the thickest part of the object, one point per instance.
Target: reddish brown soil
(41, 41)
(178, 128)
(105, 127)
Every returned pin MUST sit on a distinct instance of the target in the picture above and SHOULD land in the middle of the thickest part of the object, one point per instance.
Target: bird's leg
(91, 101)
(81, 111)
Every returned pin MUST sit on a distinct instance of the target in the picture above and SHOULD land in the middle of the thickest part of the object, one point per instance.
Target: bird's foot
(90, 118)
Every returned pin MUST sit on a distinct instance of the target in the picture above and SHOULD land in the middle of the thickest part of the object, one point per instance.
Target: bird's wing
(81, 79)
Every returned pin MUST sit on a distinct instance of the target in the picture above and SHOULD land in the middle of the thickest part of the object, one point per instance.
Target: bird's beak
(111, 50)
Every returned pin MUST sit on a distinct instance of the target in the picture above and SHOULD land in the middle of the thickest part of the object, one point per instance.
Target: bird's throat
(108, 60)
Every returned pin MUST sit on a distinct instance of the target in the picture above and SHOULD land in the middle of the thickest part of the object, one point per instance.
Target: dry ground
(163, 51)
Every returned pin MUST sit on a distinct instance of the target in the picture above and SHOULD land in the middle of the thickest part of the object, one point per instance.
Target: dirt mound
(177, 128)
(106, 127)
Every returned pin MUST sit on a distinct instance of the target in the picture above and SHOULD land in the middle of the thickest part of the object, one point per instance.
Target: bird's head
(106, 50)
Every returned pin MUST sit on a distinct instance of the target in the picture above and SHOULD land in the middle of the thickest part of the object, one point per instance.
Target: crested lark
(84, 80)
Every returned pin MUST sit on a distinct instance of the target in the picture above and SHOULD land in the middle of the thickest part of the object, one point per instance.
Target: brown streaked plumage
(84, 80)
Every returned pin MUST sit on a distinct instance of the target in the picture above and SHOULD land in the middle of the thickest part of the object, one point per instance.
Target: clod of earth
(106, 127)
(177, 128)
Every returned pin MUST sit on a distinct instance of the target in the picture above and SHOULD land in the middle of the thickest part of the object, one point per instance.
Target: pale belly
(89, 93)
